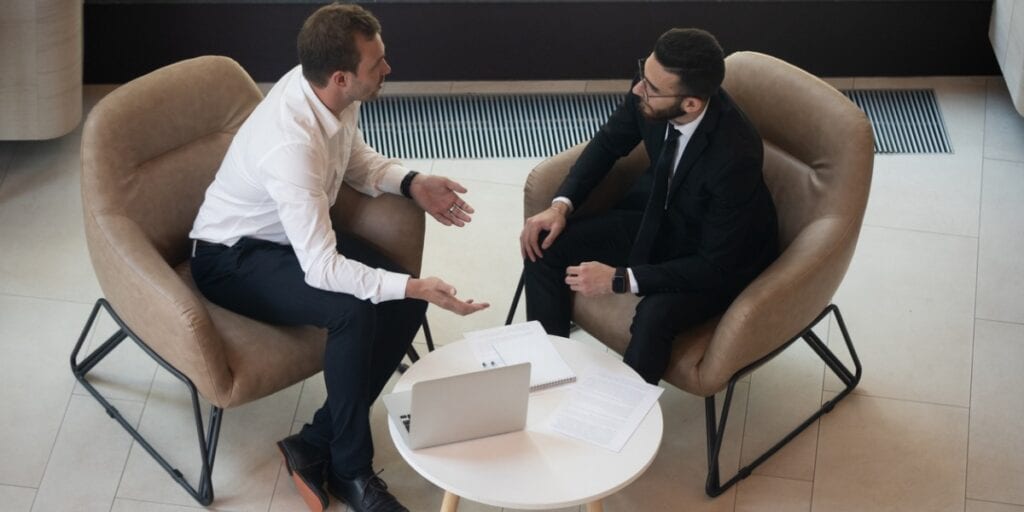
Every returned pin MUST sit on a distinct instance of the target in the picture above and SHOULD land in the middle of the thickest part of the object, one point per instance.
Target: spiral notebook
(522, 343)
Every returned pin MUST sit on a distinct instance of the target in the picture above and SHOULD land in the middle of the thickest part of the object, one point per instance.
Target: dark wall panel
(554, 40)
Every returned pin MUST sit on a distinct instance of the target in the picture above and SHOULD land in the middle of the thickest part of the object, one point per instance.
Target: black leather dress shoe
(307, 466)
(366, 493)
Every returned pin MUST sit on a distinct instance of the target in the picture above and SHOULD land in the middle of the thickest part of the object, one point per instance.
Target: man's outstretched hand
(439, 196)
(442, 294)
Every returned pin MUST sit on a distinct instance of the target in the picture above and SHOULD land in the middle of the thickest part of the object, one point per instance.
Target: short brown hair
(327, 40)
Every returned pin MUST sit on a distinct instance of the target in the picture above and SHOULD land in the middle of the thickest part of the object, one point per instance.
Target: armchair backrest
(816, 164)
(151, 147)
(149, 150)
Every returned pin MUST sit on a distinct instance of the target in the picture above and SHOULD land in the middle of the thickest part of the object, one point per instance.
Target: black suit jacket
(720, 229)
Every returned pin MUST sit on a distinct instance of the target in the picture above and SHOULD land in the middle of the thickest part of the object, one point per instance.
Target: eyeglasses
(647, 85)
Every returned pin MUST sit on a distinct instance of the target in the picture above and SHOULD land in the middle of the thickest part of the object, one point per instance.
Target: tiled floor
(934, 299)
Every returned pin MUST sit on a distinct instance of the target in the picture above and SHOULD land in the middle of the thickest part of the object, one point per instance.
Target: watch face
(619, 284)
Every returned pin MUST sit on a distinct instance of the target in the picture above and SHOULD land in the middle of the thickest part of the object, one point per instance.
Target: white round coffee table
(536, 468)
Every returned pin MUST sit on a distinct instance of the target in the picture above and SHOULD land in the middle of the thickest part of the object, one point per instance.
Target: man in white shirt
(265, 246)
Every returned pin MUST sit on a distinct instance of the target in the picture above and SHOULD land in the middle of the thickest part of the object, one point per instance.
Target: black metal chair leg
(515, 298)
(716, 428)
(411, 353)
(207, 440)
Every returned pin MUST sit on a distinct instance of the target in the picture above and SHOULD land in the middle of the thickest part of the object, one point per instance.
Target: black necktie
(641, 252)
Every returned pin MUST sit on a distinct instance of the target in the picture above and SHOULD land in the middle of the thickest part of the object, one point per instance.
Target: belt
(203, 243)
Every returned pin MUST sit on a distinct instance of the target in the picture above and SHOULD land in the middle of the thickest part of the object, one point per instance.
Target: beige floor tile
(41, 208)
(415, 88)
(87, 436)
(36, 337)
(675, 480)
(891, 455)
(783, 393)
(907, 302)
(247, 460)
(1000, 270)
(936, 193)
(995, 469)
(620, 86)
(125, 505)
(767, 494)
(500, 171)
(1004, 127)
(519, 87)
(17, 499)
(939, 192)
(125, 374)
(481, 260)
(986, 506)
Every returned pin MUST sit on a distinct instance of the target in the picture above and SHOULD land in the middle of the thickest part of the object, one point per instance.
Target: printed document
(605, 409)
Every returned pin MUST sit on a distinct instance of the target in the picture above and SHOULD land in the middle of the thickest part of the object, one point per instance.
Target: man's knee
(652, 319)
(354, 314)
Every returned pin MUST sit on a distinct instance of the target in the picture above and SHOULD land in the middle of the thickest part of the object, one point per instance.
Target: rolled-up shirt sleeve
(370, 172)
(296, 185)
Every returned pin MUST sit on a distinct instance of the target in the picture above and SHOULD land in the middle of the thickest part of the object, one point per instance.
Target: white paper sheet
(521, 343)
(605, 409)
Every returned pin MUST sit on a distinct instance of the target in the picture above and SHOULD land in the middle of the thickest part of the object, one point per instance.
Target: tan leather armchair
(149, 151)
(818, 163)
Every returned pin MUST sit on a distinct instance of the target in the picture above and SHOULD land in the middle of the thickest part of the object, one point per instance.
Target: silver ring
(452, 209)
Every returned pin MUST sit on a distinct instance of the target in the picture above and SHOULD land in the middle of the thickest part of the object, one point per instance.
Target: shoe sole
(306, 492)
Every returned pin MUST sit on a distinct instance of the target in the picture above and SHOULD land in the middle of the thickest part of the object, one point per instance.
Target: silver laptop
(462, 407)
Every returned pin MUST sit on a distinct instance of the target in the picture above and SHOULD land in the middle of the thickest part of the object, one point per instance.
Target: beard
(664, 114)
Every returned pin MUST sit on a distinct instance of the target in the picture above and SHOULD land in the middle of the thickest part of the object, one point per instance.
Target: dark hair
(695, 56)
(327, 40)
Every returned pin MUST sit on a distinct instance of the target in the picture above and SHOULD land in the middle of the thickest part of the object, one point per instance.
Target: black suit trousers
(607, 238)
(365, 341)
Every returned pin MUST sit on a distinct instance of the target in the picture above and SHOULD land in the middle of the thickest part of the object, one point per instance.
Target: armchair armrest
(782, 301)
(392, 224)
(156, 304)
(544, 180)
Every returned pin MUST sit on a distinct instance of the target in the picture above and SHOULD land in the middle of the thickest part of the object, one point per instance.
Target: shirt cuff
(392, 286)
(391, 182)
(633, 287)
(564, 200)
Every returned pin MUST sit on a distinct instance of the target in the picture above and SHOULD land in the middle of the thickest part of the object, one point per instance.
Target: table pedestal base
(450, 503)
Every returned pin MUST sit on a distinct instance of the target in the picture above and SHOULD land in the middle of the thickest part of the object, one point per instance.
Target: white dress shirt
(282, 174)
(686, 132)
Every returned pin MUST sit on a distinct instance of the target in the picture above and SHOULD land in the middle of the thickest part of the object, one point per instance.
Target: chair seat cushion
(263, 358)
(608, 318)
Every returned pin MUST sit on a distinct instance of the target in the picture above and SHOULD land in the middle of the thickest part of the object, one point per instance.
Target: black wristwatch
(620, 281)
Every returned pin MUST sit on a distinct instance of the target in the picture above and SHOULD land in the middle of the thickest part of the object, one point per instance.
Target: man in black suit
(694, 230)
